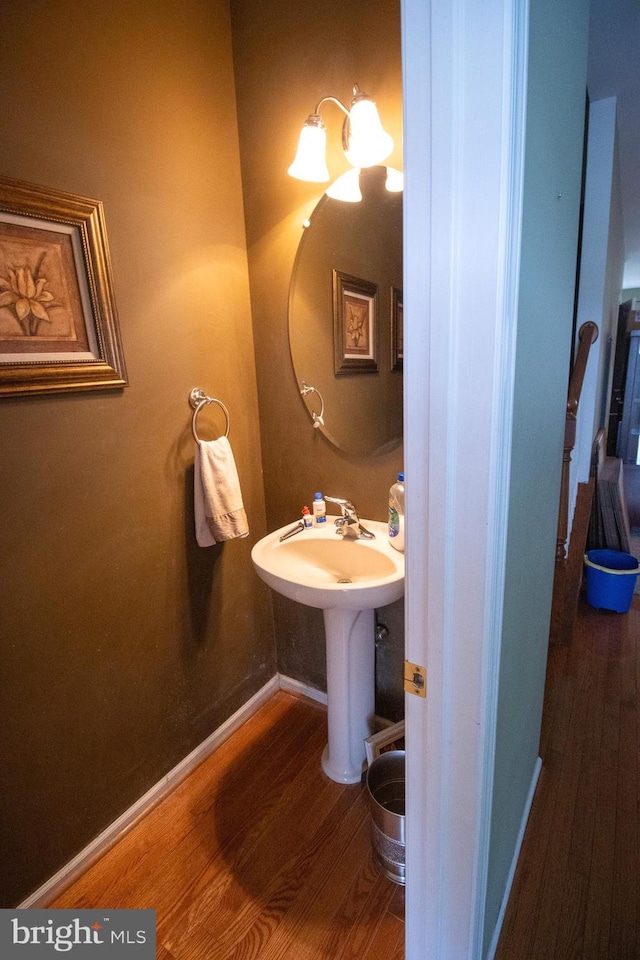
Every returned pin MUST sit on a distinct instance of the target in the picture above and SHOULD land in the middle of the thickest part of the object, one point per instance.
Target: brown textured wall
(287, 56)
(123, 643)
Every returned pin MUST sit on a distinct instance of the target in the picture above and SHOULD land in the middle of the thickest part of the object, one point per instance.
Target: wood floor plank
(522, 910)
(624, 903)
(257, 854)
(355, 924)
(397, 903)
(162, 953)
(599, 894)
(557, 858)
(389, 940)
(557, 873)
(123, 871)
(224, 880)
(315, 914)
(572, 917)
(237, 886)
(555, 693)
(577, 885)
(270, 894)
(535, 873)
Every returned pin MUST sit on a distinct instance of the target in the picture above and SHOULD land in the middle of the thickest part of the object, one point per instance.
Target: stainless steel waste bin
(386, 789)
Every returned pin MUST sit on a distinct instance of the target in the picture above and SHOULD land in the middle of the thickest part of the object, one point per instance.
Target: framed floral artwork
(354, 324)
(58, 322)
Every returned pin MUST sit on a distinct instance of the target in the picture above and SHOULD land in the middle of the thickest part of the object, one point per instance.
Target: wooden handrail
(587, 335)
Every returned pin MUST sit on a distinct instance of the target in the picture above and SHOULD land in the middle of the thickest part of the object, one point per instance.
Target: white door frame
(464, 67)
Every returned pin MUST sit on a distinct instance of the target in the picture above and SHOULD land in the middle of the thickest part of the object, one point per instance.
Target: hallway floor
(632, 497)
(577, 886)
(256, 855)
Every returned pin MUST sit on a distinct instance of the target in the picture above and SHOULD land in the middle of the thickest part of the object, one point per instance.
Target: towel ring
(318, 418)
(198, 399)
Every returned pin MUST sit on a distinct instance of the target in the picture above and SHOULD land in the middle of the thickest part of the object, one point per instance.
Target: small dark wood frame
(355, 320)
(397, 329)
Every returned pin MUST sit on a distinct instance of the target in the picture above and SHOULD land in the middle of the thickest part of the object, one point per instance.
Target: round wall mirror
(346, 317)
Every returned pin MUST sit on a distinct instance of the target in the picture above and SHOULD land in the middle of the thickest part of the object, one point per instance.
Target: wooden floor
(257, 855)
(577, 886)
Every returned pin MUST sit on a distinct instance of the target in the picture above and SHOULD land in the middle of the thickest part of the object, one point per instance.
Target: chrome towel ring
(318, 418)
(198, 399)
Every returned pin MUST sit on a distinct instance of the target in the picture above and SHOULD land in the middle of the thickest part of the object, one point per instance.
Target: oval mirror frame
(345, 317)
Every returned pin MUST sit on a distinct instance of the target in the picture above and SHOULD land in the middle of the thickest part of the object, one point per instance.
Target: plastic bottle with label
(307, 519)
(396, 514)
(319, 508)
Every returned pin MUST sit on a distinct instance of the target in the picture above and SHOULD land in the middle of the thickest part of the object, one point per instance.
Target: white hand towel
(219, 511)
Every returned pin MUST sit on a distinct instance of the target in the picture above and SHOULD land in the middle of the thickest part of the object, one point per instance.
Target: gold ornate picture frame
(58, 321)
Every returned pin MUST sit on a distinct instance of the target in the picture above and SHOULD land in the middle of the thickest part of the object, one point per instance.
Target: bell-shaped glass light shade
(310, 161)
(346, 187)
(395, 180)
(369, 143)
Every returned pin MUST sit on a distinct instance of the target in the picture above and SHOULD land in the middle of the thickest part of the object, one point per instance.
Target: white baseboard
(514, 862)
(114, 832)
(303, 689)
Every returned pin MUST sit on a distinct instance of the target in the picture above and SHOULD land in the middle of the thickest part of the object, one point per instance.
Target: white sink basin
(321, 568)
(347, 579)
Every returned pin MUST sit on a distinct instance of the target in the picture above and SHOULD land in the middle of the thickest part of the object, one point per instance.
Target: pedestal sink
(347, 579)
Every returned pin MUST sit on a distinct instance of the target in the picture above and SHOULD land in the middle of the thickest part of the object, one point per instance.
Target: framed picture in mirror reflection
(354, 324)
(397, 329)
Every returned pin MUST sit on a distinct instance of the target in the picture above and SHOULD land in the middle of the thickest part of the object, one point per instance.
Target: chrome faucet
(348, 524)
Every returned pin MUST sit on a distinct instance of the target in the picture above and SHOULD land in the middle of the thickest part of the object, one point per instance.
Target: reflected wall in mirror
(361, 241)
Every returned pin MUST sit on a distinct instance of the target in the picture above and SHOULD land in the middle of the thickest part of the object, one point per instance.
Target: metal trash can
(385, 786)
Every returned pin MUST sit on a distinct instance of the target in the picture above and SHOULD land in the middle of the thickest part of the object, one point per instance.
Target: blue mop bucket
(611, 579)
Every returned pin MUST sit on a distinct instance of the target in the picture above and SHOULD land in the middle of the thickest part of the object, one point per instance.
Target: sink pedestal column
(350, 643)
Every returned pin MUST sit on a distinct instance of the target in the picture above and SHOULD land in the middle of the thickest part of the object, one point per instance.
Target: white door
(464, 94)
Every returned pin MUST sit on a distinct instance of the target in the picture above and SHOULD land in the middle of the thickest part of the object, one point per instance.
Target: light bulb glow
(369, 143)
(346, 187)
(310, 161)
(395, 180)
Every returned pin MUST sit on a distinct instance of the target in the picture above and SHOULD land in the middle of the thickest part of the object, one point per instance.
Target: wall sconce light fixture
(364, 140)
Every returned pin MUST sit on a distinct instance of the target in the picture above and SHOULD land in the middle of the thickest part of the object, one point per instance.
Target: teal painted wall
(553, 166)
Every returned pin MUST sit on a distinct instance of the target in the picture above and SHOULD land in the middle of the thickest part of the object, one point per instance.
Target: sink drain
(344, 580)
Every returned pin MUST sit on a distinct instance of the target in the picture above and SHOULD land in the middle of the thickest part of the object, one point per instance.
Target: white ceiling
(614, 71)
